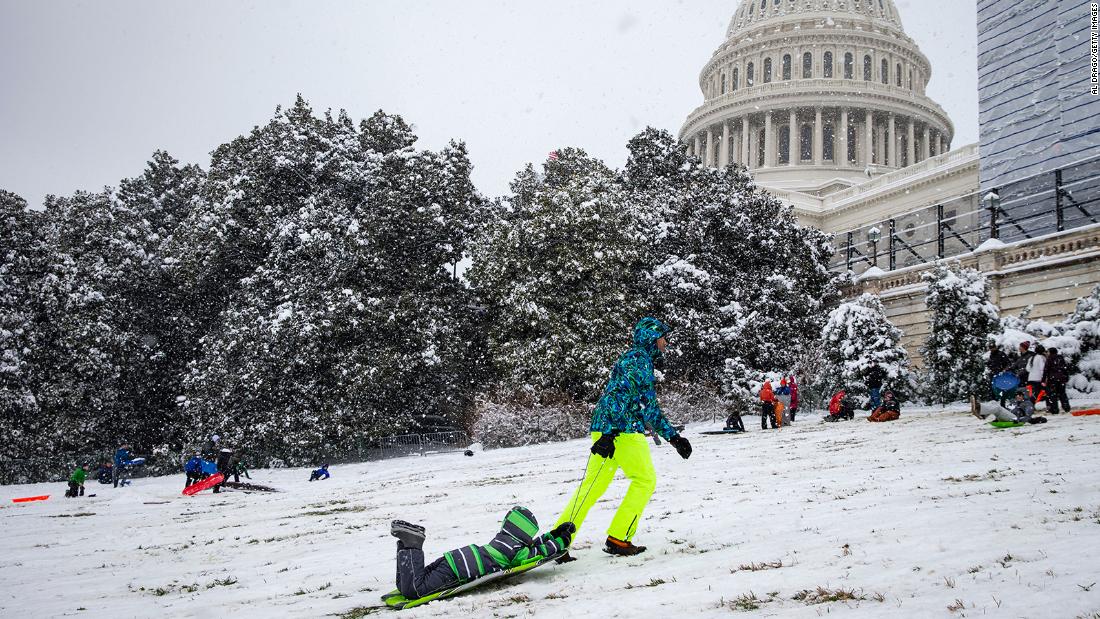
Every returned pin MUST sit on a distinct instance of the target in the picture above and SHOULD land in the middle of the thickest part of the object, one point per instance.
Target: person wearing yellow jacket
(627, 406)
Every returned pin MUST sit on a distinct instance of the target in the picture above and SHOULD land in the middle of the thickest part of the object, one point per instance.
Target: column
(769, 140)
(724, 154)
(794, 149)
(709, 161)
(842, 156)
(697, 148)
(869, 145)
(926, 146)
(819, 137)
(911, 150)
(892, 143)
(746, 160)
(941, 149)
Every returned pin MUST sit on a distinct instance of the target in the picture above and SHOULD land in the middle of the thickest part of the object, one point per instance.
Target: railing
(58, 468)
(1035, 206)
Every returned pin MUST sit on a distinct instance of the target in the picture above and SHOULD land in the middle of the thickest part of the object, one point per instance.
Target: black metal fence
(1035, 206)
(58, 468)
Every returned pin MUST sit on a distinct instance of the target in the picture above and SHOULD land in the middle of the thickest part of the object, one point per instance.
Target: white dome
(755, 12)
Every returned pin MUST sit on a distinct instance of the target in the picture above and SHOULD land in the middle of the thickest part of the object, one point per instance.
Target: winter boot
(410, 535)
(619, 547)
(565, 558)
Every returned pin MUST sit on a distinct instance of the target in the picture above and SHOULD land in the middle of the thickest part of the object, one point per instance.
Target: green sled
(395, 600)
(1006, 424)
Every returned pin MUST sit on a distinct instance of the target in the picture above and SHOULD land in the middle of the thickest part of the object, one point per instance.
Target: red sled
(1095, 411)
(28, 499)
(209, 482)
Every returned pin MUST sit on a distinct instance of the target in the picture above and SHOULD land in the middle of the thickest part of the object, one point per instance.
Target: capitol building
(825, 102)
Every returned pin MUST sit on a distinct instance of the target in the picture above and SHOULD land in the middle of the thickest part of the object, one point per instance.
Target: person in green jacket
(76, 482)
(628, 405)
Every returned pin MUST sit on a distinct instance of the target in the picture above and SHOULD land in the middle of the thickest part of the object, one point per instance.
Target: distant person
(1019, 367)
(236, 464)
(76, 482)
(210, 449)
(794, 396)
(783, 396)
(122, 456)
(767, 405)
(1036, 365)
(1056, 375)
(890, 410)
(734, 422)
(842, 407)
(874, 379)
(320, 474)
(193, 470)
(105, 473)
(997, 364)
(222, 461)
(1022, 411)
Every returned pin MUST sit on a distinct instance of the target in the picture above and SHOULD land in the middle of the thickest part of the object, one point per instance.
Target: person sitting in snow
(1023, 410)
(515, 545)
(76, 482)
(105, 473)
(320, 474)
(733, 422)
(889, 411)
(842, 406)
(767, 405)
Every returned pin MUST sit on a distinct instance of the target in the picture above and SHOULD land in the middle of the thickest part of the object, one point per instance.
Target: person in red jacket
(794, 396)
(767, 405)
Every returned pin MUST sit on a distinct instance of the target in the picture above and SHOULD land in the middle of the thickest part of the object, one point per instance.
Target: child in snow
(842, 406)
(319, 474)
(193, 469)
(105, 473)
(1036, 365)
(513, 546)
(1023, 410)
(733, 422)
(889, 411)
(767, 405)
(238, 467)
(122, 456)
(76, 482)
(783, 396)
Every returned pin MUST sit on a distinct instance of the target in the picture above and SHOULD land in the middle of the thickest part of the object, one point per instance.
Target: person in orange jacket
(767, 405)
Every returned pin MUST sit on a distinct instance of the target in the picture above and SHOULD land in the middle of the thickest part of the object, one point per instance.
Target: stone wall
(1049, 273)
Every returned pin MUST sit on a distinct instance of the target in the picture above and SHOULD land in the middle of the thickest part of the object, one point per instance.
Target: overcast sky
(91, 89)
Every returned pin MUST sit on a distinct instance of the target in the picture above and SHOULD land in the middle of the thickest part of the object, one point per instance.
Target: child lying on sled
(513, 546)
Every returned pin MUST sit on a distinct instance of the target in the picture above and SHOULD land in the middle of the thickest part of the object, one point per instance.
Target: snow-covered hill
(914, 518)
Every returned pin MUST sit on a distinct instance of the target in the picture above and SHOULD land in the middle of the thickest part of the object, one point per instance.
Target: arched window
(786, 66)
(828, 146)
(885, 72)
(767, 70)
(827, 64)
(849, 66)
(784, 145)
(806, 143)
(723, 83)
(807, 65)
(750, 74)
(867, 68)
(735, 76)
(761, 143)
(852, 143)
(898, 73)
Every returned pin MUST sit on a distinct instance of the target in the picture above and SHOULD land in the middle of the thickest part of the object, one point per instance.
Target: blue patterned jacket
(629, 402)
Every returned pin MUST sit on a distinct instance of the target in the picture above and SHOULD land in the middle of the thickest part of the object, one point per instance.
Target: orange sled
(28, 499)
(1095, 411)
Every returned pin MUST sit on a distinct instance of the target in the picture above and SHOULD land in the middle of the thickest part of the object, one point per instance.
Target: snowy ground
(931, 512)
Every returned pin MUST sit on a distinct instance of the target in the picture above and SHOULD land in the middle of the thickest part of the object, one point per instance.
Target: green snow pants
(632, 456)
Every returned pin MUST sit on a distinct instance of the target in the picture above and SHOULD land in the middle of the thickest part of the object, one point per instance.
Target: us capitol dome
(815, 96)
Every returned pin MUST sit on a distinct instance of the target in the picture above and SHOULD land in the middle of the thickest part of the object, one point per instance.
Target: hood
(520, 523)
(647, 332)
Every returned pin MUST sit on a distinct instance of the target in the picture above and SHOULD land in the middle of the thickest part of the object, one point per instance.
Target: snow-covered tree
(20, 259)
(557, 268)
(347, 322)
(856, 339)
(964, 321)
(1083, 328)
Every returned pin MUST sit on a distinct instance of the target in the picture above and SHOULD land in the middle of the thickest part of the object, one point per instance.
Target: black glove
(564, 532)
(683, 447)
(605, 446)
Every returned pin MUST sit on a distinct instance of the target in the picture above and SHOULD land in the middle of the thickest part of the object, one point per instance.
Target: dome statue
(816, 95)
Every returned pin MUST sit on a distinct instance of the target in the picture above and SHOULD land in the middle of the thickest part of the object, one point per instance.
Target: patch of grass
(758, 567)
(328, 512)
(76, 515)
(519, 598)
(956, 606)
(556, 596)
(821, 595)
(745, 602)
(974, 570)
(223, 582)
(653, 582)
(362, 611)
(327, 585)
(302, 591)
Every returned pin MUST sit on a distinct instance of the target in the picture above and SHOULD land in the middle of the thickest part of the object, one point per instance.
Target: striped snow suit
(513, 546)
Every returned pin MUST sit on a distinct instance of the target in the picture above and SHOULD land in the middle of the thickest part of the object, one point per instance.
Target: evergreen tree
(856, 338)
(556, 270)
(963, 323)
(20, 260)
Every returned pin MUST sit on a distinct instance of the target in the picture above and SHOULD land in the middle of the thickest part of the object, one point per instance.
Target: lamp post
(992, 202)
(874, 235)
